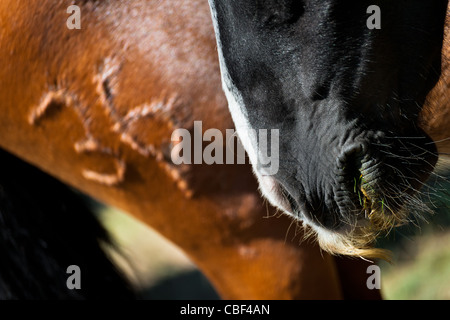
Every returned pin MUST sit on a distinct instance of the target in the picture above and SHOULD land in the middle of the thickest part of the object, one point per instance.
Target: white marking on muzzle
(269, 187)
(235, 100)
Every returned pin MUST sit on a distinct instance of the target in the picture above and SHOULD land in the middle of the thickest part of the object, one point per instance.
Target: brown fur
(435, 117)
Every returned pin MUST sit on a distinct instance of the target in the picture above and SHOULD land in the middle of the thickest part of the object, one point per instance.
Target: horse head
(343, 83)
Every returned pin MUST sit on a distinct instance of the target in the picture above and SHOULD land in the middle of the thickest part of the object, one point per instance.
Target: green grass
(148, 258)
(157, 268)
(426, 276)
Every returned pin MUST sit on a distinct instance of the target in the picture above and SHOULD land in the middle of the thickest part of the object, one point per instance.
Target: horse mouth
(385, 195)
(377, 193)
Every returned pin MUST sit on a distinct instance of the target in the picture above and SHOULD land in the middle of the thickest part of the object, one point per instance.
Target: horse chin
(358, 243)
(354, 238)
(357, 238)
(272, 191)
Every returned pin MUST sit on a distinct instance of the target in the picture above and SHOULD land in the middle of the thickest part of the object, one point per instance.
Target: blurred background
(420, 269)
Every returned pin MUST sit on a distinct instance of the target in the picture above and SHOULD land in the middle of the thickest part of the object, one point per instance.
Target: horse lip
(360, 223)
(297, 209)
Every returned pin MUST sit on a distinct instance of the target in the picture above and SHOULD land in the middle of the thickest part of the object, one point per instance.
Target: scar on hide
(111, 180)
(107, 86)
(50, 100)
(60, 98)
(180, 175)
(155, 109)
(159, 109)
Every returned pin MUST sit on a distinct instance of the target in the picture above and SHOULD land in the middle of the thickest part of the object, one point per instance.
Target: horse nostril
(350, 171)
(352, 197)
(351, 157)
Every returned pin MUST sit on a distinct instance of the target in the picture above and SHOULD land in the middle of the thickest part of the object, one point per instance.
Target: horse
(344, 89)
(95, 108)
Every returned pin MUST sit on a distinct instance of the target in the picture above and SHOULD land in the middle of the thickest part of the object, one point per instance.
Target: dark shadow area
(191, 285)
(45, 230)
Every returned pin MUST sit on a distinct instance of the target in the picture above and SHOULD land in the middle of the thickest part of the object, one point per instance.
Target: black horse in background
(45, 227)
